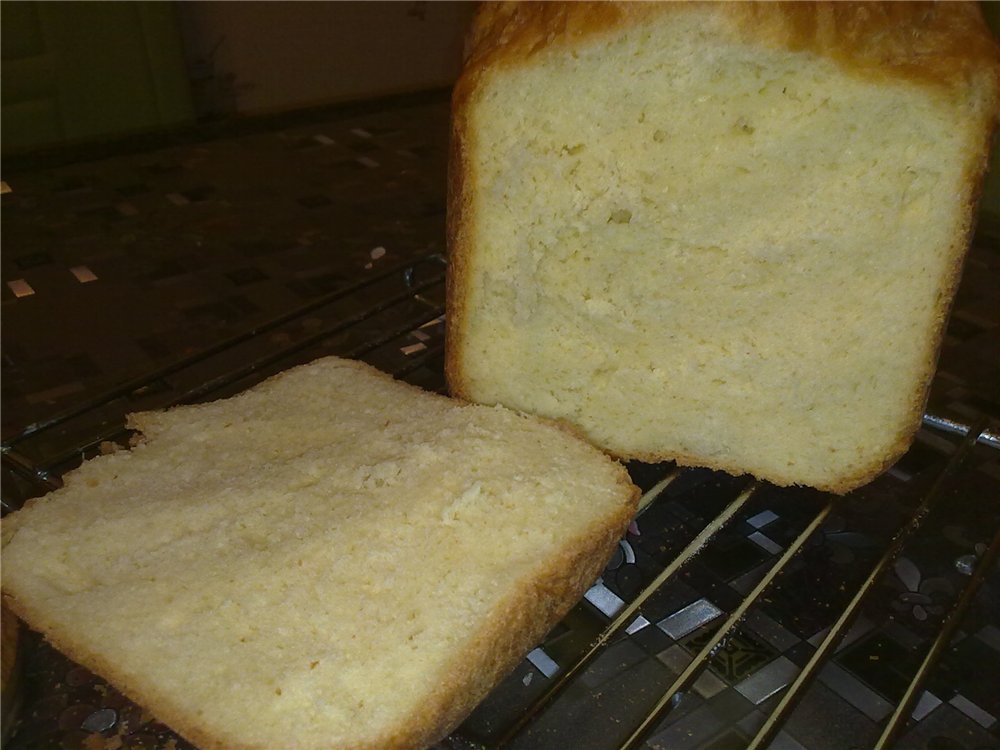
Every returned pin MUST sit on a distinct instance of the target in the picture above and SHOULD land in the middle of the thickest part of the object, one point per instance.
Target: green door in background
(84, 71)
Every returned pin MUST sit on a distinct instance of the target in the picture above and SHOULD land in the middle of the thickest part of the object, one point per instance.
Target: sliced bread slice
(332, 559)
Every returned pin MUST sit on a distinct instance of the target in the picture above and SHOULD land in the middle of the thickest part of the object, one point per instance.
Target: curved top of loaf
(944, 43)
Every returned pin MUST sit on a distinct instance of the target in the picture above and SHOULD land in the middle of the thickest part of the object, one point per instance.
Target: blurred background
(78, 71)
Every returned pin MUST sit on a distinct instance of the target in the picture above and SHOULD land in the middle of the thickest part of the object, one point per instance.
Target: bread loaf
(726, 234)
(331, 559)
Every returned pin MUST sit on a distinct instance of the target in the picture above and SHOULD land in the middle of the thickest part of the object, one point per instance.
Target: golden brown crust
(938, 43)
(508, 32)
(458, 211)
(841, 486)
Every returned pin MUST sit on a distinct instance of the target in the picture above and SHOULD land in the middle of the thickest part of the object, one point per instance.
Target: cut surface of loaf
(724, 233)
(331, 559)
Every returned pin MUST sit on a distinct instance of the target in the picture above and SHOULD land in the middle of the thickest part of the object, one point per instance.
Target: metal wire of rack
(769, 729)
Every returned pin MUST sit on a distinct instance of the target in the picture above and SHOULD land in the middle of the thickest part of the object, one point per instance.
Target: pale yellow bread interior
(693, 245)
(329, 560)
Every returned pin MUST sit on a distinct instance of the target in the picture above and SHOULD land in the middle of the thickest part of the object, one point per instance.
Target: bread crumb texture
(329, 560)
(696, 242)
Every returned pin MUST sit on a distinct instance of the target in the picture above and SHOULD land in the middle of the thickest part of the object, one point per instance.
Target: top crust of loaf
(258, 503)
(937, 43)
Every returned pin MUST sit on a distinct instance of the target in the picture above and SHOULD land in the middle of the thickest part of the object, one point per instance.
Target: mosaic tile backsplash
(117, 266)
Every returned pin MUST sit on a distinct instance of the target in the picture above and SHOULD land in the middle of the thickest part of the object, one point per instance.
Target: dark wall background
(79, 71)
